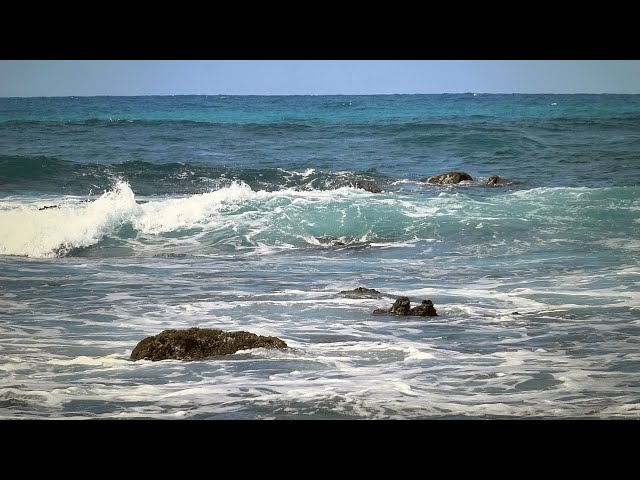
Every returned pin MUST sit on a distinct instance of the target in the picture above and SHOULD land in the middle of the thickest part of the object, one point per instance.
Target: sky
(29, 78)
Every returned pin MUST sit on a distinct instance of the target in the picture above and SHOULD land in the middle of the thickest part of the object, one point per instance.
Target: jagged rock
(198, 343)
(495, 180)
(449, 178)
(367, 185)
(329, 241)
(401, 306)
(341, 242)
(425, 309)
(48, 206)
(361, 292)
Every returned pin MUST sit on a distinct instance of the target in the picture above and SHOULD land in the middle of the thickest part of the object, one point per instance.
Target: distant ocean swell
(52, 175)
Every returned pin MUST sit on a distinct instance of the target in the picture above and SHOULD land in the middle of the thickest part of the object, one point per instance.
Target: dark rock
(494, 180)
(198, 343)
(342, 242)
(367, 185)
(515, 313)
(401, 306)
(58, 206)
(330, 241)
(449, 178)
(425, 309)
(361, 292)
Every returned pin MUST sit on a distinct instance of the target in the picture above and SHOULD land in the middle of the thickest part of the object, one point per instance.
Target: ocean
(241, 213)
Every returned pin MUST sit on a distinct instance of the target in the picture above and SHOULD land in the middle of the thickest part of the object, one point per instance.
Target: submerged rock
(402, 306)
(449, 178)
(361, 292)
(329, 241)
(368, 185)
(341, 242)
(495, 180)
(199, 343)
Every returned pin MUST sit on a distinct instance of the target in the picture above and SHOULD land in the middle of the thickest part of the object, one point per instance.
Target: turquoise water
(224, 212)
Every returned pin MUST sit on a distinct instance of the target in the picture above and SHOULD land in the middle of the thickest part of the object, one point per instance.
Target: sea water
(240, 213)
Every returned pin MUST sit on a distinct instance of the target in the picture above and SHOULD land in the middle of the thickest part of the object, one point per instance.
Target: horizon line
(310, 94)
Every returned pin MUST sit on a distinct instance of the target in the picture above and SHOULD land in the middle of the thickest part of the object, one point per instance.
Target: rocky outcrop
(199, 343)
(449, 178)
(367, 185)
(361, 292)
(402, 306)
(495, 180)
(425, 309)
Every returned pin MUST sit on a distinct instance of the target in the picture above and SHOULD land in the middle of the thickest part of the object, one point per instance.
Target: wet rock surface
(402, 306)
(495, 180)
(368, 185)
(425, 309)
(449, 178)
(199, 343)
(361, 292)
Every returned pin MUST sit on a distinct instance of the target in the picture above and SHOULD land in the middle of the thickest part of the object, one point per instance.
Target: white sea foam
(174, 214)
(27, 231)
(110, 360)
(34, 233)
(386, 368)
(272, 221)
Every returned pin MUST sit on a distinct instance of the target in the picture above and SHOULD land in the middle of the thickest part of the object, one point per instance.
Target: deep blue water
(239, 213)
